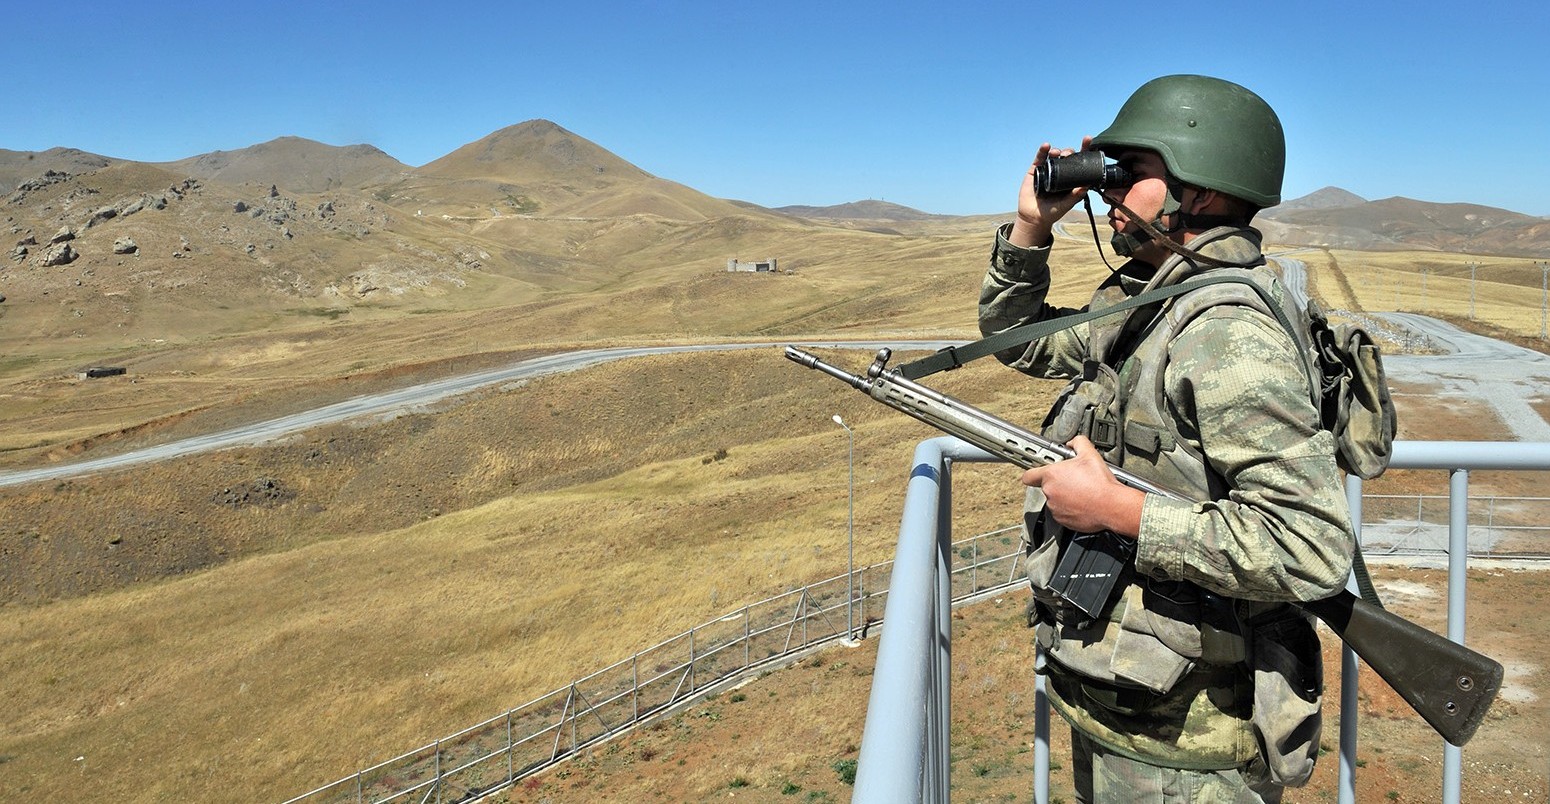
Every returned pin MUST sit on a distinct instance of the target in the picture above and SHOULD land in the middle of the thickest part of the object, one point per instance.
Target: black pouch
(1091, 566)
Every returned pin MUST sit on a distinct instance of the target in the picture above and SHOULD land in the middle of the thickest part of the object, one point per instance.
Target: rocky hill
(18, 167)
(295, 164)
(537, 168)
(866, 210)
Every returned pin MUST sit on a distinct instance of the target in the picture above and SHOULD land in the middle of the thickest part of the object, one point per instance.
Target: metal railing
(905, 748)
(654, 682)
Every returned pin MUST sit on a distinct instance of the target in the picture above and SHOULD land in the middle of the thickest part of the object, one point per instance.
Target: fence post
(1458, 563)
(635, 687)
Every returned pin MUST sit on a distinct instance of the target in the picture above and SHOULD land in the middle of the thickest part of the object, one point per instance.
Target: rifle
(1447, 684)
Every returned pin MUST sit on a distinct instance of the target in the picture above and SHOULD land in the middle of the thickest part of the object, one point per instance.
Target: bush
(846, 768)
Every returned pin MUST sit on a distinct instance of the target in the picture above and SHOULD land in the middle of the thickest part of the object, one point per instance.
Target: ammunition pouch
(1145, 636)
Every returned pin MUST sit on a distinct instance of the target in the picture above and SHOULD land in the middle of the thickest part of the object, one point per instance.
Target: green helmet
(1211, 133)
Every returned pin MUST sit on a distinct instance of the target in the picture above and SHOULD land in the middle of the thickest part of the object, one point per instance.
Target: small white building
(758, 266)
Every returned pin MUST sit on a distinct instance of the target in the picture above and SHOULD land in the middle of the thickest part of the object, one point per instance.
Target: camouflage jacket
(1215, 403)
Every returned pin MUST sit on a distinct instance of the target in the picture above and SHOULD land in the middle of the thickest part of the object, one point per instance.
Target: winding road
(1472, 367)
(393, 402)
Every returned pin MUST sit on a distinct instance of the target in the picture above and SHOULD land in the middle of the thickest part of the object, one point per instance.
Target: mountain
(1335, 218)
(17, 167)
(862, 210)
(1324, 198)
(538, 168)
(295, 164)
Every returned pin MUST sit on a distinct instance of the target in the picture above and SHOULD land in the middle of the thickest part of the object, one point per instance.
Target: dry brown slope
(639, 278)
(408, 580)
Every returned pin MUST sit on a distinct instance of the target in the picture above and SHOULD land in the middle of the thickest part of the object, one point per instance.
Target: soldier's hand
(1082, 493)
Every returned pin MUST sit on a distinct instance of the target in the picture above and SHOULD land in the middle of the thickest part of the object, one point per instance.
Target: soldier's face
(1145, 196)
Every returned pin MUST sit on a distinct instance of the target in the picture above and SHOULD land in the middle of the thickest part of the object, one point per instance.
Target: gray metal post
(1346, 789)
(888, 772)
(941, 753)
(1458, 562)
(1040, 731)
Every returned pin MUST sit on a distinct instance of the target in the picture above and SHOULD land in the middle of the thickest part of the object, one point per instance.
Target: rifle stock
(1450, 686)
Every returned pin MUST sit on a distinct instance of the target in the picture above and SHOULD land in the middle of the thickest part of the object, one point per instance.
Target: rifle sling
(953, 357)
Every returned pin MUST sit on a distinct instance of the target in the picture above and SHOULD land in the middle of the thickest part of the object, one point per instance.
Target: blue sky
(938, 106)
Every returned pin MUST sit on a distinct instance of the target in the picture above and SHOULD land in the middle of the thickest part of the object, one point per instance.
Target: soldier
(1193, 680)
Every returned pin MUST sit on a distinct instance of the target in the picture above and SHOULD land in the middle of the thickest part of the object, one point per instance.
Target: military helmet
(1211, 133)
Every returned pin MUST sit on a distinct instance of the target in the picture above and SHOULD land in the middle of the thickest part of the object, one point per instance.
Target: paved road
(1477, 370)
(1473, 368)
(392, 402)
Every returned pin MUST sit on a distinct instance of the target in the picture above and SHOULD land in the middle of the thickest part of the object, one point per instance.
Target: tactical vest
(1168, 652)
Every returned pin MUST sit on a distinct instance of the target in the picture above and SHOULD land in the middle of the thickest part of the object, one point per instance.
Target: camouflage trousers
(1104, 777)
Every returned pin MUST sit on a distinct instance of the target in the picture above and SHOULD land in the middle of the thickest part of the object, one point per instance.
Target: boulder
(102, 216)
(60, 254)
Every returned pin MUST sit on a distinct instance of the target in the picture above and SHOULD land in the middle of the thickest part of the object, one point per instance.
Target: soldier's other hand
(1036, 213)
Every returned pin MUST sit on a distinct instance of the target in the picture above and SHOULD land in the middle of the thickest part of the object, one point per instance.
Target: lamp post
(850, 532)
(1544, 300)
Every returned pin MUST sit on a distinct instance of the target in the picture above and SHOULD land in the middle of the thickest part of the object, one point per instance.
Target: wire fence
(549, 729)
(1417, 524)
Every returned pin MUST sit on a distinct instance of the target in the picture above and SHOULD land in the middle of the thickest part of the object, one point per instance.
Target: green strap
(954, 356)
(1363, 579)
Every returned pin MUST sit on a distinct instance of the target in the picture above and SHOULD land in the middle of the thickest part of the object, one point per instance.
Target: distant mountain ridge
(1334, 218)
(538, 168)
(862, 210)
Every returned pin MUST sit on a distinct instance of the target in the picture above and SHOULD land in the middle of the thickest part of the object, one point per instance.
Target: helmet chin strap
(1125, 244)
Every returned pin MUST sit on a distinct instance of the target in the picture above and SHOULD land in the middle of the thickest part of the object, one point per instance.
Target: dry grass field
(248, 624)
(381, 585)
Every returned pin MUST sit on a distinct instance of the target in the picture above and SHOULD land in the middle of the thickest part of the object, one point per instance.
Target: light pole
(1544, 300)
(850, 532)
(1472, 267)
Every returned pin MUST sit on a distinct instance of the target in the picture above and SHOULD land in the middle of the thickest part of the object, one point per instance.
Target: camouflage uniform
(1208, 396)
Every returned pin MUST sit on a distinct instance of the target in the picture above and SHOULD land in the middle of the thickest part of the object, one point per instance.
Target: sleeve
(1282, 532)
(1014, 293)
